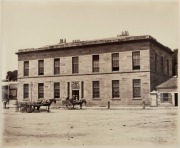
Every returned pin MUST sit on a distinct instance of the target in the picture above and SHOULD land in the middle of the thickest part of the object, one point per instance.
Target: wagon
(30, 107)
(70, 103)
(67, 104)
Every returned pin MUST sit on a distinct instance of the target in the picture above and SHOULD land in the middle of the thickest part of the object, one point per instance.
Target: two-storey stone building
(122, 70)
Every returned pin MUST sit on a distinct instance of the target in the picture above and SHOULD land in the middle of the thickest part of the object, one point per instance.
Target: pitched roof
(171, 83)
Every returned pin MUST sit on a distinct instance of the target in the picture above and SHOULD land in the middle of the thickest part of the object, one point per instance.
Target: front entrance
(75, 93)
(176, 99)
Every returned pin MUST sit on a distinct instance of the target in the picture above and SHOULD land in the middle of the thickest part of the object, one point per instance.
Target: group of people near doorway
(74, 97)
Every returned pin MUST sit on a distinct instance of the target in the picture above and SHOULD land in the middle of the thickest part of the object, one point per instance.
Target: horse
(78, 102)
(44, 103)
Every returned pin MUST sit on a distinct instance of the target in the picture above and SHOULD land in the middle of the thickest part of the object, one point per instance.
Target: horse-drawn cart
(30, 107)
(70, 103)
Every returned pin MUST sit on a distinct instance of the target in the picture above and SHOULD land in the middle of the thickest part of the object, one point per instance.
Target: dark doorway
(76, 94)
(176, 99)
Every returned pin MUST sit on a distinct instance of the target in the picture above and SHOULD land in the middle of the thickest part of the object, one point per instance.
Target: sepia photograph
(89, 73)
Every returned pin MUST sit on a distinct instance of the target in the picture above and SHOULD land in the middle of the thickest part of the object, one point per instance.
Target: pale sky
(35, 23)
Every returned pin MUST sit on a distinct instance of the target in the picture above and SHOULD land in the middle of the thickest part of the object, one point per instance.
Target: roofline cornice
(123, 39)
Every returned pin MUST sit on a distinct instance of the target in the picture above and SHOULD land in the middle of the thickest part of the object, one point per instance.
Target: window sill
(136, 69)
(40, 75)
(166, 102)
(96, 99)
(138, 98)
(116, 99)
(26, 99)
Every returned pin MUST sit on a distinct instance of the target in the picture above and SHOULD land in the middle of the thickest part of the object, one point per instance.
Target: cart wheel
(29, 109)
(33, 109)
(67, 105)
(22, 109)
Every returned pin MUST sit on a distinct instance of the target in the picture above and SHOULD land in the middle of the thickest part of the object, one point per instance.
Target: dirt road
(91, 127)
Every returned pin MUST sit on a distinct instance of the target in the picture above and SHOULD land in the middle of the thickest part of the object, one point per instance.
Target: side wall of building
(159, 75)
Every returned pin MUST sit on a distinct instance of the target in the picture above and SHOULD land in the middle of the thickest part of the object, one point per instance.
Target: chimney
(75, 41)
(62, 41)
(124, 33)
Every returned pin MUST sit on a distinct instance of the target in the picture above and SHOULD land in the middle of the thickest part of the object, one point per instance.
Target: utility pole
(8, 91)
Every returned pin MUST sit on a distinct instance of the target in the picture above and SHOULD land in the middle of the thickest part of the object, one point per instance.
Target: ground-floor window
(166, 97)
(96, 89)
(136, 88)
(115, 88)
(56, 90)
(40, 90)
(26, 91)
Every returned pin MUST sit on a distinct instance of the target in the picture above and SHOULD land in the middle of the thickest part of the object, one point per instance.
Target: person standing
(77, 98)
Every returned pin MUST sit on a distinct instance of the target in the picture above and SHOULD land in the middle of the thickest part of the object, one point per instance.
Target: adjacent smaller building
(9, 90)
(167, 92)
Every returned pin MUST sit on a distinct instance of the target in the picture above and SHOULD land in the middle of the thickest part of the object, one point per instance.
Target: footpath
(12, 102)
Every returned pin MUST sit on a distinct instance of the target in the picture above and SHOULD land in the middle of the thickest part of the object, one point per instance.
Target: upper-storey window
(115, 62)
(41, 67)
(75, 68)
(95, 63)
(26, 68)
(162, 64)
(155, 62)
(56, 66)
(136, 60)
(167, 67)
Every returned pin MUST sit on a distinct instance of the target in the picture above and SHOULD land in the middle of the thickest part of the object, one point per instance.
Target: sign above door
(75, 85)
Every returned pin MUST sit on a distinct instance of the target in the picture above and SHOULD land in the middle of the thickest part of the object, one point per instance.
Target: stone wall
(125, 80)
(85, 64)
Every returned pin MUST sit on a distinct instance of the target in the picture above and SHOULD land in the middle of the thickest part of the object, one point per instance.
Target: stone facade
(147, 74)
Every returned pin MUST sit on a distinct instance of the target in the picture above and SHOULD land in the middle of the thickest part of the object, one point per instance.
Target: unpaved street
(91, 127)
